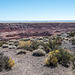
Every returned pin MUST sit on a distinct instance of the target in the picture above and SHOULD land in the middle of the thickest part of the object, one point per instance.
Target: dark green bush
(53, 45)
(73, 62)
(34, 45)
(74, 65)
(50, 46)
(64, 57)
(46, 47)
(72, 34)
(58, 40)
(73, 41)
(6, 62)
(3, 61)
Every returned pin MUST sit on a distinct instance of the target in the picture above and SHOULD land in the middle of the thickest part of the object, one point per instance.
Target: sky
(37, 10)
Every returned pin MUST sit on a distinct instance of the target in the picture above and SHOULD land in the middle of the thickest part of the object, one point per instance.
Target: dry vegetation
(50, 48)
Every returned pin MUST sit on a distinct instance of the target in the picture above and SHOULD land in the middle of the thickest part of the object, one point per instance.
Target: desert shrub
(10, 43)
(73, 41)
(5, 62)
(72, 34)
(58, 35)
(11, 40)
(34, 45)
(73, 61)
(12, 47)
(41, 47)
(2, 42)
(46, 47)
(25, 44)
(10, 63)
(47, 61)
(64, 47)
(4, 46)
(39, 52)
(69, 51)
(52, 44)
(65, 59)
(21, 52)
(73, 65)
(62, 57)
(16, 42)
(52, 59)
(58, 40)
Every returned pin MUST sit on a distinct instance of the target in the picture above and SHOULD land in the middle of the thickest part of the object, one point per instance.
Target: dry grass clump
(4, 46)
(12, 47)
(24, 44)
(21, 52)
(39, 52)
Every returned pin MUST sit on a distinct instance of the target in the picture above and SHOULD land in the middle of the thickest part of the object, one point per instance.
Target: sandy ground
(26, 64)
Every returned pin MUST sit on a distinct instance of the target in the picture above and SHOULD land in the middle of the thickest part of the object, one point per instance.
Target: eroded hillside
(21, 30)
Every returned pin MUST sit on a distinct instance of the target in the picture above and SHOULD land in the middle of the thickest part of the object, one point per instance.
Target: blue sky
(37, 10)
